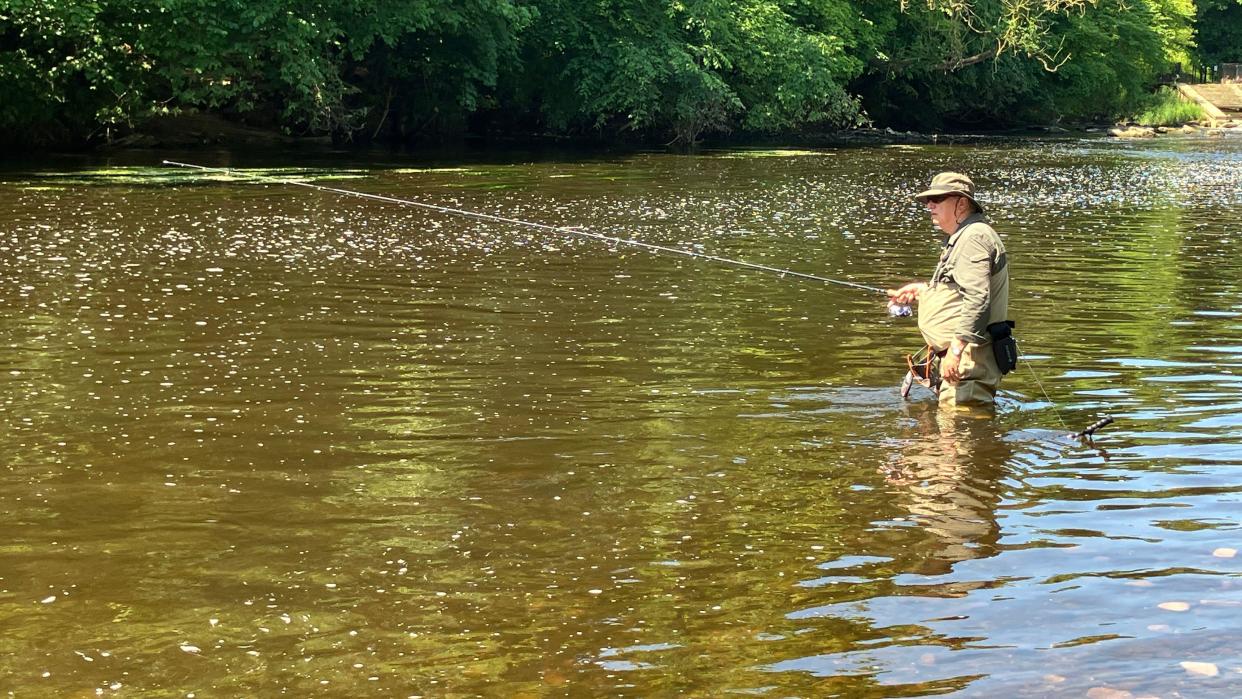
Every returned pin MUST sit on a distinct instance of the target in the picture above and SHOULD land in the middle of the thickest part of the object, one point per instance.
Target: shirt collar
(975, 217)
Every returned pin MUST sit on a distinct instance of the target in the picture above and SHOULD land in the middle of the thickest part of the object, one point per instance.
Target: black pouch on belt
(1004, 347)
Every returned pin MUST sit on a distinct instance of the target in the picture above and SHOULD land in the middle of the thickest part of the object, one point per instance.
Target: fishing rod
(1095, 427)
(894, 309)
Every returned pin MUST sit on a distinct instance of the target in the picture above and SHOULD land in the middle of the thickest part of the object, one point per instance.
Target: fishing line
(1055, 411)
(894, 310)
(1086, 434)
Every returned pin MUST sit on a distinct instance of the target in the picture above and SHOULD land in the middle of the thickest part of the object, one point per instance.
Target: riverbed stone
(1174, 606)
(1201, 669)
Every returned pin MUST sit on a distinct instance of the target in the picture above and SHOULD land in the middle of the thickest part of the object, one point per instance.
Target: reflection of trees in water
(949, 473)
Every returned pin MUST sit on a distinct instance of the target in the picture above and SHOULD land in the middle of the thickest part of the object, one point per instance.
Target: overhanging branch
(955, 64)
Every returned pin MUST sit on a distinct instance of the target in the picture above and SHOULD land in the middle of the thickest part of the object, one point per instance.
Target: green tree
(84, 67)
(672, 70)
(62, 71)
(427, 66)
(793, 63)
(1219, 30)
(683, 68)
(1114, 54)
(999, 62)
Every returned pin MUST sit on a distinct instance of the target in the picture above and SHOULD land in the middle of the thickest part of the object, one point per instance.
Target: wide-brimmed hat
(950, 183)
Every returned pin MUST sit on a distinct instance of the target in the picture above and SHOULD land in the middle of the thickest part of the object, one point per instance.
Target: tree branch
(954, 64)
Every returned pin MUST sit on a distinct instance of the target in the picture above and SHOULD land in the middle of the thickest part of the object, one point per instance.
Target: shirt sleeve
(973, 274)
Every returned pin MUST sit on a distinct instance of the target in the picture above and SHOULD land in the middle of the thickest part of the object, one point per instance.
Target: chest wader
(940, 309)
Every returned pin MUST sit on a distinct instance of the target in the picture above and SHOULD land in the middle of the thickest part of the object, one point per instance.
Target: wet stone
(1200, 669)
(1174, 606)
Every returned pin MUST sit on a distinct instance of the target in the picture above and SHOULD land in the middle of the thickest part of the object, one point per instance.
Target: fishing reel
(899, 310)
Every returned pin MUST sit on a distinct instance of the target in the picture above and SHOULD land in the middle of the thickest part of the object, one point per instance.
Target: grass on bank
(1167, 108)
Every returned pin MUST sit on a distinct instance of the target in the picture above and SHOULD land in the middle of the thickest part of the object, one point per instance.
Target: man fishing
(962, 310)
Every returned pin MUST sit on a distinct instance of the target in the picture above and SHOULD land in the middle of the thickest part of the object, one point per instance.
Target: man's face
(943, 210)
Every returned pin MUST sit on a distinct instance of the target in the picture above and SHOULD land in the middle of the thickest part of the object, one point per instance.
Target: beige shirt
(969, 289)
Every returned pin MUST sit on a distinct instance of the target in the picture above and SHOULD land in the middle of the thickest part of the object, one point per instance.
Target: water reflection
(950, 472)
(260, 442)
(946, 473)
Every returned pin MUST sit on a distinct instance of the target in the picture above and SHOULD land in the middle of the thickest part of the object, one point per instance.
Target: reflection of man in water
(968, 292)
(949, 477)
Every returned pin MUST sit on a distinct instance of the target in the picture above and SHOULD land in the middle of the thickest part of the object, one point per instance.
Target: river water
(260, 440)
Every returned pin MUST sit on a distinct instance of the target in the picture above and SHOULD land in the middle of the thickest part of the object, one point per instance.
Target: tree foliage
(1019, 61)
(1218, 26)
(81, 70)
(693, 66)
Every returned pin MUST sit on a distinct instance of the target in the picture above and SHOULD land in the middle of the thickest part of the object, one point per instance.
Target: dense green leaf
(80, 71)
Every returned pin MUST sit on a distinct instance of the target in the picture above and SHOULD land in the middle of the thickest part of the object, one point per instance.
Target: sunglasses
(939, 198)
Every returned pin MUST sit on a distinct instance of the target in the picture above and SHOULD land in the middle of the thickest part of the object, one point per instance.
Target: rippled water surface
(260, 440)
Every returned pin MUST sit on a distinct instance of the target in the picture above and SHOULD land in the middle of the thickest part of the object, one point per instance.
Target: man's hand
(951, 363)
(907, 294)
(949, 368)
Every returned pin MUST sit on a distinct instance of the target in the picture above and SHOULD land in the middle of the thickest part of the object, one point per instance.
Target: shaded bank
(194, 131)
(205, 133)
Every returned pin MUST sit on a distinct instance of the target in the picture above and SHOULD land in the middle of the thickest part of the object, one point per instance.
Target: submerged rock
(1203, 669)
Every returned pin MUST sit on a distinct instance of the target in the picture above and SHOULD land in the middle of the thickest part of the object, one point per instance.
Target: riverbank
(1131, 130)
(203, 132)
